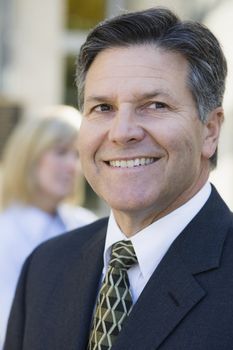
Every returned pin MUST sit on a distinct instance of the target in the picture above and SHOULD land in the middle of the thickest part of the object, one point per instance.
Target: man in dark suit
(151, 89)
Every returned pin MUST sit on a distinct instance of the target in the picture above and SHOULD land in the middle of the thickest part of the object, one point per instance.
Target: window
(84, 14)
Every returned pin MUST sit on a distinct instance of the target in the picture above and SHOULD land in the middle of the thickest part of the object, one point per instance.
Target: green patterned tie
(114, 301)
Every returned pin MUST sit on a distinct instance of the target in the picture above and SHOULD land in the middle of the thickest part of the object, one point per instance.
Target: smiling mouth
(131, 163)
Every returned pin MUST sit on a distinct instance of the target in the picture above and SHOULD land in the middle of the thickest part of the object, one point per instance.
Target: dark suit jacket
(186, 305)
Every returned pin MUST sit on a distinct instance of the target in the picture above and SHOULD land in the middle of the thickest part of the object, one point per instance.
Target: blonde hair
(27, 143)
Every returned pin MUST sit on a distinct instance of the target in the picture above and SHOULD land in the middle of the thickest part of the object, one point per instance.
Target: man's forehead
(144, 57)
(144, 70)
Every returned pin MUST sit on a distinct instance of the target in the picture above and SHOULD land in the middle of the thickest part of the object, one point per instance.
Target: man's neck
(132, 222)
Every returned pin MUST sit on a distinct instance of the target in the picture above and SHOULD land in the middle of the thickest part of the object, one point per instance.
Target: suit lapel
(89, 279)
(169, 295)
(80, 291)
(173, 291)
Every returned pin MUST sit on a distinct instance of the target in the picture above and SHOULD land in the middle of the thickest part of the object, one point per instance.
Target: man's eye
(103, 108)
(156, 105)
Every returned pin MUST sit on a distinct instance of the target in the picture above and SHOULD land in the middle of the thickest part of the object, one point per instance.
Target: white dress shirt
(22, 228)
(152, 243)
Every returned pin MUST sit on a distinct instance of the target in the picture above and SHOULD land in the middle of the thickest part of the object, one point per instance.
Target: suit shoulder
(72, 240)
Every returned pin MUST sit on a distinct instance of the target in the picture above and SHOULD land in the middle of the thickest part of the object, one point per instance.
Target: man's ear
(212, 130)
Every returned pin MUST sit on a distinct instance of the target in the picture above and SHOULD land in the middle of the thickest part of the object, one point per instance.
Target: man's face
(142, 146)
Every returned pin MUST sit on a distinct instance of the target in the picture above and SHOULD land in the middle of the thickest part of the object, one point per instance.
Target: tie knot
(123, 255)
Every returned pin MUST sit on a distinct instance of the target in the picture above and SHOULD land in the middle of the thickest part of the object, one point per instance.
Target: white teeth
(131, 163)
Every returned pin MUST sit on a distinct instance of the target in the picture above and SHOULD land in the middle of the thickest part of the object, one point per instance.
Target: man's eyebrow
(94, 98)
(152, 94)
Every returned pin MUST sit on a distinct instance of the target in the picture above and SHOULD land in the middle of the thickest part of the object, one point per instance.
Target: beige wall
(220, 21)
(179, 6)
(35, 74)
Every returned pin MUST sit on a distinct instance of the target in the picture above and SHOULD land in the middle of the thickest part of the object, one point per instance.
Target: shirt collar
(152, 243)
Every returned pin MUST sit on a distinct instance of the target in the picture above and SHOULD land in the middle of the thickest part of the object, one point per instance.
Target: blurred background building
(39, 43)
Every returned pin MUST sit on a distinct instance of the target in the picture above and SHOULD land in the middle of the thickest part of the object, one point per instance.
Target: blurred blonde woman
(40, 171)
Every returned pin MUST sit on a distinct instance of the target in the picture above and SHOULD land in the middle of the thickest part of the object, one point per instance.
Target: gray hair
(161, 27)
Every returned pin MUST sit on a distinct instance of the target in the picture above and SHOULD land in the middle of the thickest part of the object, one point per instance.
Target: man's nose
(125, 128)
